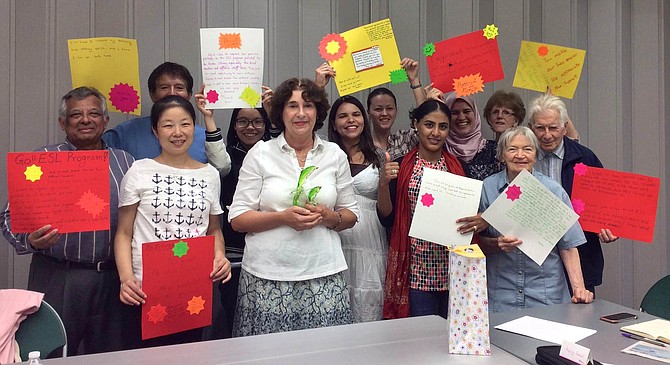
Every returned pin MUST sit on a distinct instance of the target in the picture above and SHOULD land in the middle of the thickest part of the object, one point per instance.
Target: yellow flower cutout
(33, 173)
(491, 31)
(332, 47)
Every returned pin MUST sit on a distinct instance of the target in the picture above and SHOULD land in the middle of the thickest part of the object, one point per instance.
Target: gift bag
(468, 302)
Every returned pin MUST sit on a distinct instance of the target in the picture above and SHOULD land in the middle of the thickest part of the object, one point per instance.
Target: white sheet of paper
(443, 198)
(536, 216)
(367, 58)
(544, 330)
(232, 60)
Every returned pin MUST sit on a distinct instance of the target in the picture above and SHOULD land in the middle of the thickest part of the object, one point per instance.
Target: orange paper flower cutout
(196, 305)
(468, 85)
(332, 47)
(230, 40)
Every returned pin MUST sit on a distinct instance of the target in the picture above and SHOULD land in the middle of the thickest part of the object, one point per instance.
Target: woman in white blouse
(294, 194)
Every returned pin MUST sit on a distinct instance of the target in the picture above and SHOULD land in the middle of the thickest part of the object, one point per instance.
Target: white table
(419, 340)
(605, 345)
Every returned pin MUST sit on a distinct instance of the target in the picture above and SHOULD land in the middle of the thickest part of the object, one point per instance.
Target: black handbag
(548, 355)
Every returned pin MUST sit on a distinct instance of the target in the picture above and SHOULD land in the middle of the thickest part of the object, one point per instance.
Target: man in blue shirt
(137, 138)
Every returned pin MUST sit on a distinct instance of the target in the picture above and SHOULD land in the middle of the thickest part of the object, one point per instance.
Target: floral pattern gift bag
(468, 302)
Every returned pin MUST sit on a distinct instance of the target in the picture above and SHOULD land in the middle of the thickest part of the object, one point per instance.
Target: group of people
(308, 232)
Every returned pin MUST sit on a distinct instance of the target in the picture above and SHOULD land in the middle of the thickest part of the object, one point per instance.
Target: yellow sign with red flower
(363, 57)
(110, 65)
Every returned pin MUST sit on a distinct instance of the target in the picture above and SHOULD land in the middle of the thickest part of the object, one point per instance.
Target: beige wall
(619, 108)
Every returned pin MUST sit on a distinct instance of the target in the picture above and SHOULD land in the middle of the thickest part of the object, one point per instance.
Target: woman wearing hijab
(465, 141)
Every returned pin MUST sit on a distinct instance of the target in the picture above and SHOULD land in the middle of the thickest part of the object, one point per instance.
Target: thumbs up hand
(389, 171)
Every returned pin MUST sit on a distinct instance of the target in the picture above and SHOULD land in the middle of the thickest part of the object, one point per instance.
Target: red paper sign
(624, 202)
(464, 56)
(68, 190)
(175, 278)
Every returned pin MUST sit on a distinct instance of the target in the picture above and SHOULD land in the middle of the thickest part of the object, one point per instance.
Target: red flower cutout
(212, 96)
(513, 192)
(580, 169)
(157, 313)
(542, 51)
(124, 98)
(427, 200)
(91, 203)
(332, 47)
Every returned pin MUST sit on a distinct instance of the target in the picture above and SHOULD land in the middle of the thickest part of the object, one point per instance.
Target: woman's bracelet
(415, 86)
(339, 220)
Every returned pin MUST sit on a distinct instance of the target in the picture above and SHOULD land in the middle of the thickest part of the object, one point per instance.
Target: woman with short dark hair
(293, 196)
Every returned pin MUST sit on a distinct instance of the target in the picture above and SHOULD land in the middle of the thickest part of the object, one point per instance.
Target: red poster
(468, 57)
(624, 202)
(68, 190)
(175, 278)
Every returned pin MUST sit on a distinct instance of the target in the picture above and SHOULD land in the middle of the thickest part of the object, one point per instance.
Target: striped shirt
(551, 163)
(87, 247)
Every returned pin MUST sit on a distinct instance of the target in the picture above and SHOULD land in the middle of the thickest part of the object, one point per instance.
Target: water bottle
(34, 358)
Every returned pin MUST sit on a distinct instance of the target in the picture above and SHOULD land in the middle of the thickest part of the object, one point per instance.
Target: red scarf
(396, 293)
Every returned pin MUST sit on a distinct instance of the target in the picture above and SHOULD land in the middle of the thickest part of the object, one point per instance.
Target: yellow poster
(544, 65)
(363, 57)
(111, 66)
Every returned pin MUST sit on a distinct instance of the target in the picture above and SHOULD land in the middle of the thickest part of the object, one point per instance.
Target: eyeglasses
(244, 122)
(504, 113)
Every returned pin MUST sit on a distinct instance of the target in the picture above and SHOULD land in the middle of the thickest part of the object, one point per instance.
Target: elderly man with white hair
(557, 158)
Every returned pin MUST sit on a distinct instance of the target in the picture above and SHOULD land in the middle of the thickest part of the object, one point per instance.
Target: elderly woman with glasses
(504, 110)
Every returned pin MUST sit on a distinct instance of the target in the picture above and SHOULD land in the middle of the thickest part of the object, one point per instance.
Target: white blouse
(268, 177)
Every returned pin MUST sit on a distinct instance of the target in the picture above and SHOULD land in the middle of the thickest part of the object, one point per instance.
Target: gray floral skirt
(268, 306)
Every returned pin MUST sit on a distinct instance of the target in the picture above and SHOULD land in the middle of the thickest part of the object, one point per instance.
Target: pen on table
(640, 338)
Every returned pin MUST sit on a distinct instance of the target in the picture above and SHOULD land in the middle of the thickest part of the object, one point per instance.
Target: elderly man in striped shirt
(76, 271)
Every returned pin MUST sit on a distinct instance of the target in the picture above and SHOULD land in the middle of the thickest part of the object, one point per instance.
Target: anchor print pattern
(180, 206)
